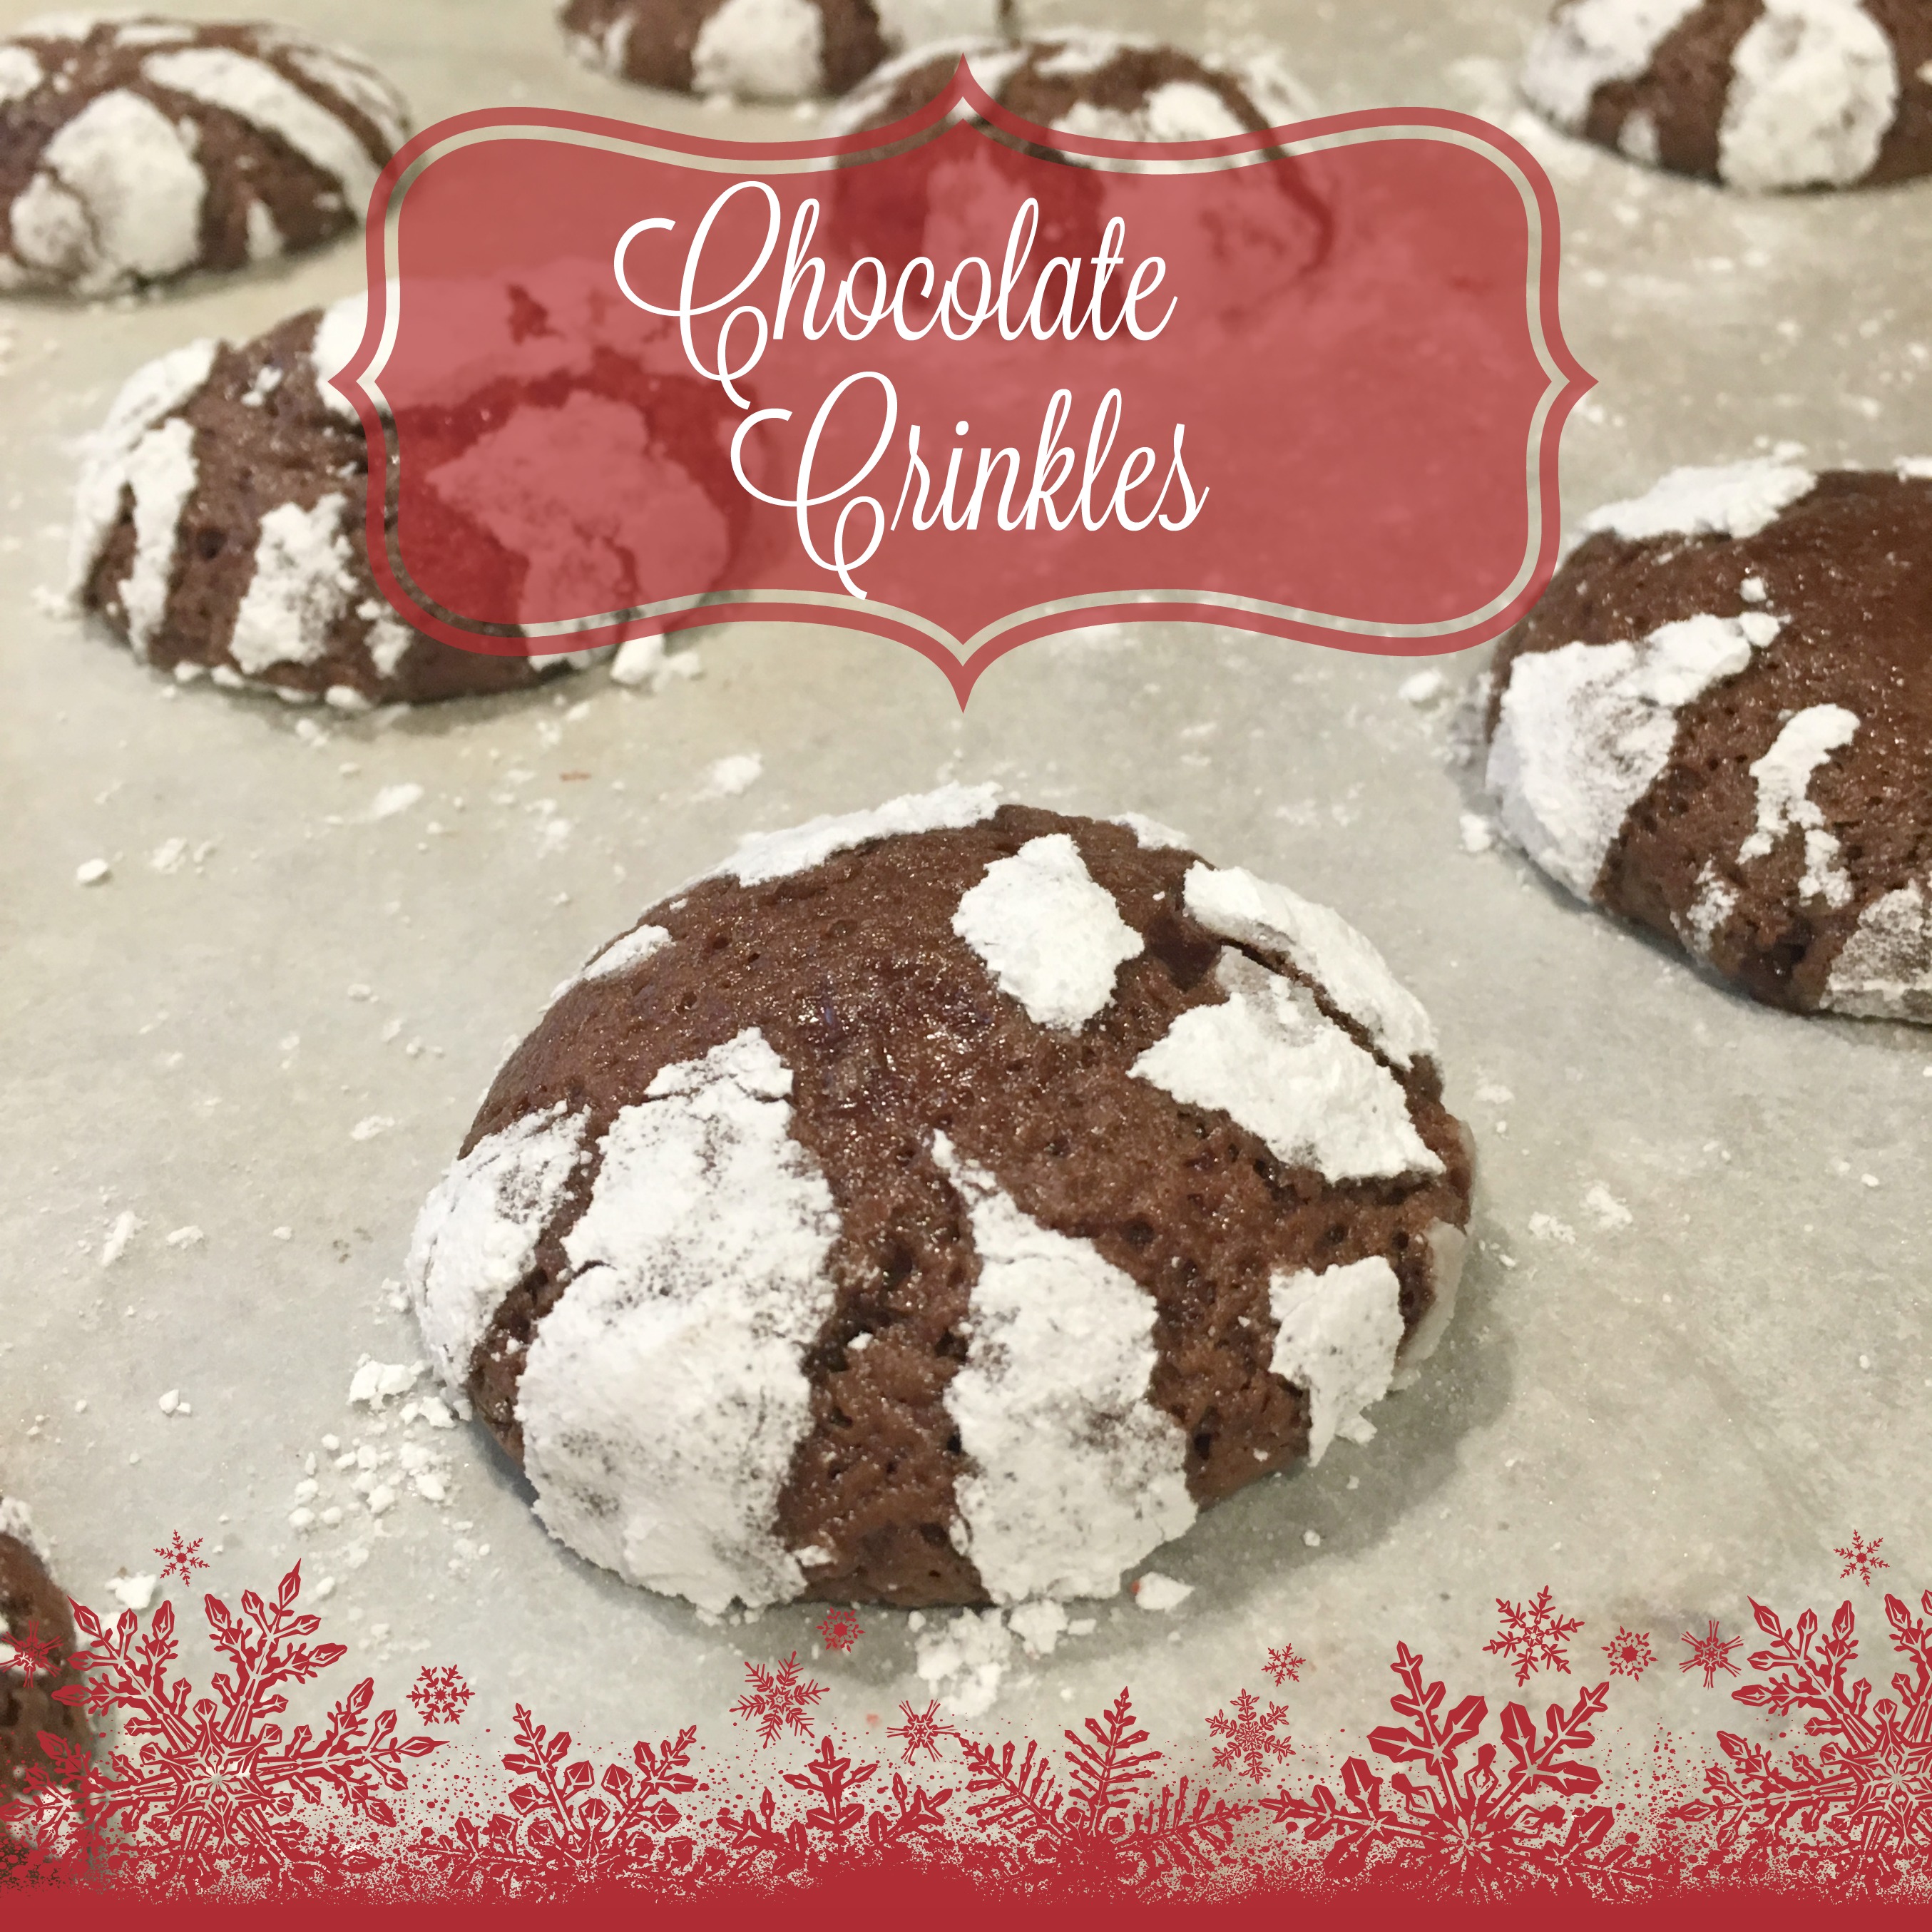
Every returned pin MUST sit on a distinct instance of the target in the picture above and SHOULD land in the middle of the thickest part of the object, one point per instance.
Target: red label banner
(963, 381)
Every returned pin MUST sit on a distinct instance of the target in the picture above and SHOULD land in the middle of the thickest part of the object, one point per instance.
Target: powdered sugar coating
(1233, 904)
(764, 855)
(1267, 1056)
(762, 49)
(621, 955)
(1736, 500)
(665, 1393)
(991, 61)
(1590, 43)
(1585, 730)
(20, 72)
(17, 1520)
(1337, 1332)
(477, 1234)
(1783, 775)
(1051, 937)
(1884, 970)
(159, 472)
(302, 585)
(1814, 90)
(1150, 834)
(1177, 110)
(1076, 1476)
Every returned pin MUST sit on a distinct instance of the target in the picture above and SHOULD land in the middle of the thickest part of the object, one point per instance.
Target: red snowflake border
(1630, 1653)
(1249, 1734)
(1711, 1654)
(179, 1558)
(440, 1694)
(840, 1629)
(779, 1700)
(1284, 1664)
(921, 1731)
(1863, 1558)
(1533, 1635)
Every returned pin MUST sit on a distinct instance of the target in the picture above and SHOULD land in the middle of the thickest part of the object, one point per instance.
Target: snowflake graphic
(1856, 1811)
(1711, 1654)
(839, 1827)
(1863, 1557)
(570, 1827)
(841, 1629)
(211, 1793)
(778, 1700)
(1106, 1817)
(921, 1731)
(1630, 1653)
(440, 1694)
(1284, 1664)
(1465, 1823)
(1533, 1637)
(179, 1558)
(29, 1655)
(1249, 1734)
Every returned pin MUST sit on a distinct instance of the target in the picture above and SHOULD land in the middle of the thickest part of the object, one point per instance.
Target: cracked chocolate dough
(36, 1630)
(943, 1203)
(763, 49)
(1761, 94)
(138, 149)
(1718, 722)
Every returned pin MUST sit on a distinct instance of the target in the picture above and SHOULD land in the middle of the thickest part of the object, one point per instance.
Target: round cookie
(943, 1203)
(763, 49)
(36, 1637)
(1761, 94)
(218, 523)
(1717, 721)
(1081, 81)
(137, 149)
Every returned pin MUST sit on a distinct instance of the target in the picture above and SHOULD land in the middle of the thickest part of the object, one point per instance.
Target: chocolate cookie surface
(138, 149)
(1718, 722)
(1762, 94)
(36, 1637)
(219, 524)
(941, 1203)
(763, 49)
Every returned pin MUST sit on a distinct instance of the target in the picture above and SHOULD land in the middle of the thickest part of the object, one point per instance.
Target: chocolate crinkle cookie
(1081, 81)
(1762, 94)
(37, 1638)
(1718, 722)
(134, 150)
(942, 1204)
(763, 49)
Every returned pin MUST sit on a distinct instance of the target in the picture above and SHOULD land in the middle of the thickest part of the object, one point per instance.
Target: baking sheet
(1690, 1355)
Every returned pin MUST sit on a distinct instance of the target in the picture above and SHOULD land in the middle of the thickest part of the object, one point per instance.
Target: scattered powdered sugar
(765, 855)
(665, 1394)
(135, 1593)
(302, 585)
(963, 1661)
(1478, 834)
(1592, 42)
(126, 1224)
(648, 661)
(375, 1383)
(1604, 1208)
(477, 1234)
(1584, 732)
(1884, 970)
(1814, 88)
(1154, 1591)
(1234, 904)
(1736, 500)
(760, 50)
(92, 872)
(1076, 1474)
(1051, 937)
(393, 799)
(1783, 776)
(1150, 835)
(1424, 688)
(1337, 1332)
(730, 777)
(1268, 1057)
(1548, 1228)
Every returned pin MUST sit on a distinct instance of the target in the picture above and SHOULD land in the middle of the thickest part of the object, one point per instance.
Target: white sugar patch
(1150, 835)
(760, 49)
(1075, 1475)
(621, 955)
(1235, 904)
(1709, 912)
(337, 336)
(160, 474)
(765, 855)
(221, 77)
(1267, 1056)
(1884, 970)
(1814, 89)
(1050, 936)
(1337, 1331)
(117, 197)
(962, 1662)
(1591, 43)
(477, 1233)
(665, 1393)
(1177, 110)
(20, 73)
(300, 586)
(351, 79)
(1783, 776)
(17, 1520)
(1584, 731)
(1736, 500)
(1155, 1591)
